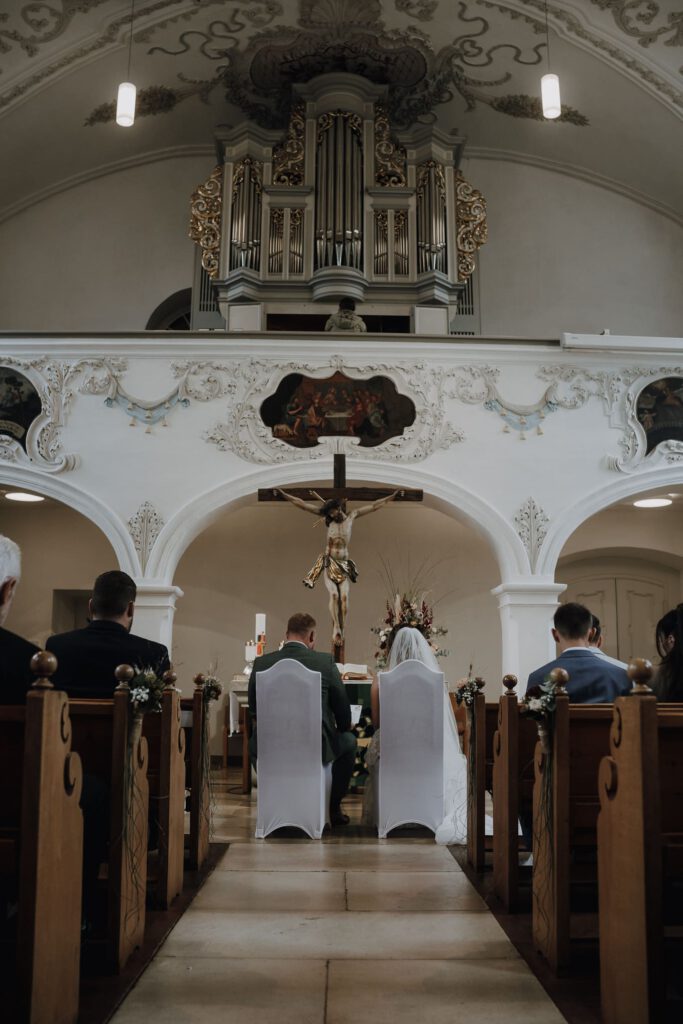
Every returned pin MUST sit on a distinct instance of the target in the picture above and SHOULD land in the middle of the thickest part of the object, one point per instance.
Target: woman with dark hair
(668, 681)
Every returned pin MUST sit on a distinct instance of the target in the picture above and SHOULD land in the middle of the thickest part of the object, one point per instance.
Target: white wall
(566, 255)
(102, 256)
(562, 255)
(61, 550)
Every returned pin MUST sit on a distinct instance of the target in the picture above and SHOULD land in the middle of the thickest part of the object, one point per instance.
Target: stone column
(526, 614)
(154, 611)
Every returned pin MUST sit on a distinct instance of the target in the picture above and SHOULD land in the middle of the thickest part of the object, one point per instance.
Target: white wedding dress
(409, 644)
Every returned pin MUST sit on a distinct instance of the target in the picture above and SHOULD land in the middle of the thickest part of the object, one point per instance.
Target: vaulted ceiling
(473, 66)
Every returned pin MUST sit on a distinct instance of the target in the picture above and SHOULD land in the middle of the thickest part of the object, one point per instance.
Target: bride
(409, 644)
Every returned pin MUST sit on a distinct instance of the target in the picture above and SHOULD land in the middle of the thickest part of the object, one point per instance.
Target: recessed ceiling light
(652, 502)
(23, 496)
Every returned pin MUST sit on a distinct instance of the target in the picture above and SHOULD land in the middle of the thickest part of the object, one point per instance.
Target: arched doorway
(62, 553)
(626, 564)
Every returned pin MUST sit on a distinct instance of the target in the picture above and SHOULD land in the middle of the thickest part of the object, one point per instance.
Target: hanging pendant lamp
(125, 102)
(550, 83)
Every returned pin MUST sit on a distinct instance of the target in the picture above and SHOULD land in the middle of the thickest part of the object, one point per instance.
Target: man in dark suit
(15, 652)
(592, 678)
(339, 743)
(87, 658)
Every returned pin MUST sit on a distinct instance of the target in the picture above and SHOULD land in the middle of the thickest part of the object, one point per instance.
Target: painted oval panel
(304, 409)
(19, 404)
(660, 411)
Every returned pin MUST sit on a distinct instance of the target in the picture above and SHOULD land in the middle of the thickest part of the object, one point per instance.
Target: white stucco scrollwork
(477, 385)
(618, 391)
(56, 382)
(251, 382)
(532, 526)
(145, 526)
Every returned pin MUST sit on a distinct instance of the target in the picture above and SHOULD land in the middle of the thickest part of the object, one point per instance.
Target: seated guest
(87, 658)
(595, 640)
(339, 743)
(592, 679)
(668, 680)
(15, 652)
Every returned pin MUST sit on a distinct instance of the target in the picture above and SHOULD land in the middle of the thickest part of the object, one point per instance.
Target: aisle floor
(344, 930)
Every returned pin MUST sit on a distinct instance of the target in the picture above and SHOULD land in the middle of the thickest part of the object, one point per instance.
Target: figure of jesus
(335, 563)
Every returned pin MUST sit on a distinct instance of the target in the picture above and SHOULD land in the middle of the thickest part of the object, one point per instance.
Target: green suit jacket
(335, 703)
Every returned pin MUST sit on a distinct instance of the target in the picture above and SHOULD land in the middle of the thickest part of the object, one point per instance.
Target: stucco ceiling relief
(257, 73)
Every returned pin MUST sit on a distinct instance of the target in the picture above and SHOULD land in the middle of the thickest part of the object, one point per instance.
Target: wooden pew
(481, 725)
(111, 746)
(640, 850)
(166, 779)
(514, 744)
(198, 766)
(41, 840)
(565, 811)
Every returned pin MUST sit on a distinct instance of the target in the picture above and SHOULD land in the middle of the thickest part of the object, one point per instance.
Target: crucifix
(334, 565)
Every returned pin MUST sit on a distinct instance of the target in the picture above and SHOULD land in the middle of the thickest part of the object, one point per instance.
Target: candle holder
(250, 652)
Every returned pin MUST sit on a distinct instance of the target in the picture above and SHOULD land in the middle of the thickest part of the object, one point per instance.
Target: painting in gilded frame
(660, 411)
(304, 409)
(19, 405)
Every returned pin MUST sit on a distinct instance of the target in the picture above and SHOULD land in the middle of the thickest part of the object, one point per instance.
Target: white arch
(198, 513)
(572, 517)
(25, 478)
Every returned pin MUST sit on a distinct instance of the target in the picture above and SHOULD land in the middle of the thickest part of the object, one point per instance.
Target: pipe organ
(339, 205)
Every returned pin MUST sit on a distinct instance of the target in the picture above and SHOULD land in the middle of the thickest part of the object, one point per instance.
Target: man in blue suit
(592, 679)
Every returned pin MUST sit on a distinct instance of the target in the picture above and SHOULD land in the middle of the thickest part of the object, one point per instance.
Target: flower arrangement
(210, 684)
(213, 687)
(406, 610)
(468, 689)
(146, 691)
(539, 702)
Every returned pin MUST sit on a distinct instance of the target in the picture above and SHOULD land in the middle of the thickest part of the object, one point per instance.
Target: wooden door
(599, 594)
(640, 604)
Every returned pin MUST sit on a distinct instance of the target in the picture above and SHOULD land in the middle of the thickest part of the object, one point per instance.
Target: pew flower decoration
(539, 702)
(146, 691)
(406, 610)
(213, 687)
(467, 689)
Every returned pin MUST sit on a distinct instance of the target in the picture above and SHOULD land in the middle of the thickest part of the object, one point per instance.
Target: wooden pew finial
(124, 674)
(169, 677)
(510, 683)
(199, 681)
(43, 665)
(640, 673)
(559, 677)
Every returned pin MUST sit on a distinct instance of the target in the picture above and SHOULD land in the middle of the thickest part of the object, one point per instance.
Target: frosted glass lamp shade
(550, 96)
(125, 104)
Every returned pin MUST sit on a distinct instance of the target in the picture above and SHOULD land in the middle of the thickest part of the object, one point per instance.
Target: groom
(339, 743)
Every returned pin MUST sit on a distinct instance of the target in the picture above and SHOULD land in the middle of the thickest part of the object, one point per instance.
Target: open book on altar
(350, 671)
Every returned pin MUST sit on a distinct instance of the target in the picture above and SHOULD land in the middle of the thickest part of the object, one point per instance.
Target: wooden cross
(339, 489)
(342, 493)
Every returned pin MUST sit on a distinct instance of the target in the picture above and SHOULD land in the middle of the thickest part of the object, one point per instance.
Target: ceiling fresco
(472, 66)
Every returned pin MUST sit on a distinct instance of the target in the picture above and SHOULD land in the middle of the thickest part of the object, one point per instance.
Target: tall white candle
(260, 624)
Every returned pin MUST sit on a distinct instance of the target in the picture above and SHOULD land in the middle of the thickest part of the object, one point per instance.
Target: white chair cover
(293, 783)
(410, 778)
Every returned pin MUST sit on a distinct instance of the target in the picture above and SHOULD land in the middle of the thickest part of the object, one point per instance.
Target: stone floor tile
(437, 992)
(215, 991)
(338, 936)
(301, 891)
(414, 891)
(311, 855)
